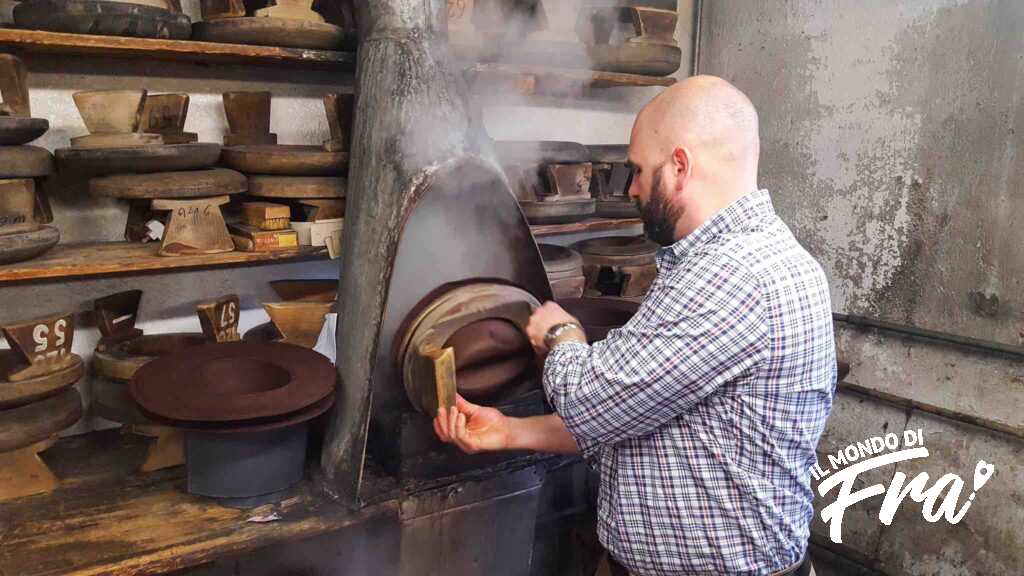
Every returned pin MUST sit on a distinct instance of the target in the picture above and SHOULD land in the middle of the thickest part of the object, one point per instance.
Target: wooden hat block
(248, 115)
(116, 363)
(113, 118)
(299, 323)
(38, 401)
(340, 109)
(16, 124)
(291, 10)
(631, 39)
(165, 114)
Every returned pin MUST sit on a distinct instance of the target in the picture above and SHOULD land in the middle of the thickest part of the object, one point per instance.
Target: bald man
(703, 411)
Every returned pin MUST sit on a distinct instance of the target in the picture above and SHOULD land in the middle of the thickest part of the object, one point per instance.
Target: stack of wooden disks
(550, 179)
(564, 268)
(124, 349)
(23, 169)
(36, 401)
(291, 23)
(306, 179)
(299, 317)
(618, 266)
(138, 18)
(141, 154)
(612, 177)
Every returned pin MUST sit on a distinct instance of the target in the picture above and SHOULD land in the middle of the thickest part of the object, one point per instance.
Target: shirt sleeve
(695, 331)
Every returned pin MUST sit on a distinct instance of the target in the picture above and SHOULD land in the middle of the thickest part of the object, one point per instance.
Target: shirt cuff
(558, 367)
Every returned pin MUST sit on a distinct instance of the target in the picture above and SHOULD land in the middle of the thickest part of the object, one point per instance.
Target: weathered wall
(889, 142)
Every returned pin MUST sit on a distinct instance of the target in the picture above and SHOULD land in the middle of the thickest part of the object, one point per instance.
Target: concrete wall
(889, 142)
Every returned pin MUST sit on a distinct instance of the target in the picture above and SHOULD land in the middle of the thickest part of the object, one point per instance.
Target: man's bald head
(699, 139)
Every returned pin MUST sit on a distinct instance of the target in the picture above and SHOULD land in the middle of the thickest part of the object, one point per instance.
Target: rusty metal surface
(890, 150)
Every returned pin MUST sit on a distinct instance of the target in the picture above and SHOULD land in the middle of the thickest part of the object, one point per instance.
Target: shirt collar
(750, 207)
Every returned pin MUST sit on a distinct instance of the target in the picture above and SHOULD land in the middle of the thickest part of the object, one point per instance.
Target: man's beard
(659, 215)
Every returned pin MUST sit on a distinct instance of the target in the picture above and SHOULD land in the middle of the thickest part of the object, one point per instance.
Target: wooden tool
(26, 431)
(248, 115)
(137, 160)
(102, 17)
(339, 108)
(291, 10)
(196, 226)
(249, 238)
(218, 9)
(13, 87)
(610, 182)
(562, 196)
(264, 215)
(564, 268)
(299, 322)
(219, 319)
(284, 160)
(165, 114)
(272, 32)
(25, 244)
(40, 362)
(44, 345)
(17, 204)
(297, 186)
(25, 162)
(113, 118)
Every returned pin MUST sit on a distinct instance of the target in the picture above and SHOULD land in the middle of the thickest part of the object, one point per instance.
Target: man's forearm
(541, 434)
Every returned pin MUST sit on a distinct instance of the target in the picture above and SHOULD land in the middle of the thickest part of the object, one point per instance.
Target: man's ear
(682, 165)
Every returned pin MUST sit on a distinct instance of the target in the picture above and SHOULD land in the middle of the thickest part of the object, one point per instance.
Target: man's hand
(542, 320)
(473, 428)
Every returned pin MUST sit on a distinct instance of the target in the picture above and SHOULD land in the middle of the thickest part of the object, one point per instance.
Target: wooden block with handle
(115, 315)
(266, 215)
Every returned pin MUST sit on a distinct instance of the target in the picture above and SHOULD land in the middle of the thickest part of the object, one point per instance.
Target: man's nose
(634, 189)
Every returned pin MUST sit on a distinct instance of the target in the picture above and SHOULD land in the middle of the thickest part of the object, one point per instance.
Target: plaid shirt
(703, 412)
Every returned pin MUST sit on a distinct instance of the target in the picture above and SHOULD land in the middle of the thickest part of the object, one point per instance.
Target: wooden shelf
(106, 520)
(539, 80)
(592, 225)
(116, 258)
(117, 46)
(121, 258)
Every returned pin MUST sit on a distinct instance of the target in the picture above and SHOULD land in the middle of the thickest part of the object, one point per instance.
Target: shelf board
(592, 225)
(107, 520)
(121, 258)
(117, 258)
(117, 46)
(540, 80)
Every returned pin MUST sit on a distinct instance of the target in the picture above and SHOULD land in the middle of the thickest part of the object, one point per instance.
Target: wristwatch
(555, 331)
